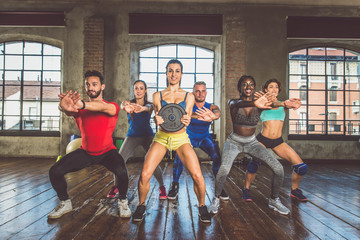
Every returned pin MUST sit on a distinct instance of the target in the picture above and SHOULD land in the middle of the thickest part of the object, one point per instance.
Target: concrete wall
(253, 42)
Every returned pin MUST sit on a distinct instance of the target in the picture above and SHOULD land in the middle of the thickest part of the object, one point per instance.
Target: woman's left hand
(185, 119)
(138, 108)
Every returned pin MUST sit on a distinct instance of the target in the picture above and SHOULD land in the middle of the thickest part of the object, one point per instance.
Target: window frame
(331, 81)
(22, 131)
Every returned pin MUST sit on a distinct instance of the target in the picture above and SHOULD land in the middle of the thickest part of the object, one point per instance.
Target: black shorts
(269, 143)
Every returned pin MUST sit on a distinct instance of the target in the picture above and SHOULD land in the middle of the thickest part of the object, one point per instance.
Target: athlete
(177, 141)
(140, 132)
(204, 114)
(271, 137)
(96, 120)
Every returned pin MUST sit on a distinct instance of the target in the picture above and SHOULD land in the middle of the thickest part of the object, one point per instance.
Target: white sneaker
(124, 210)
(62, 208)
(214, 206)
(276, 205)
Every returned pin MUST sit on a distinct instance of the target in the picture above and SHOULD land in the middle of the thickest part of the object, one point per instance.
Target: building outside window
(198, 65)
(330, 93)
(30, 82)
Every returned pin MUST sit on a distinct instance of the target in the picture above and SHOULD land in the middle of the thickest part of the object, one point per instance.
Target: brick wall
(94, 44)
(235, 61)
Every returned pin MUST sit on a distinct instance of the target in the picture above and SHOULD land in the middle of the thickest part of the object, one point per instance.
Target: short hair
(243, 78)
(94, 73)
(199, 83)
(270, 81)
(174, 61)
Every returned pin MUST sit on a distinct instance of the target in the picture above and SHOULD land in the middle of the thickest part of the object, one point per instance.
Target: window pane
(32, 62)
(316, 68)
(188, 65)
(334, 69)
(149, 52)
(335, 97)
(51, 50)
(204, 53)
(185, 51)
(317, 113)
(149, 78)
(12, 77)
(31, 108)
(207, 78)
(50, 123)
(12, 107)
(31, 93)
(52, 77)
(14, 48)
(316, 127)
(352, 112)
(13, 62)
(32, 76)
(352, 68)
(50, 108)
(210, 96)
(52, 63)
(352, 127)
(351, 97)
(51, 93)
(168, 51)
(204, 65)
(1, 61)
(31, 123)
(11, 123)
(150, 92)
(187, 81)
(148, 65)
(162, 80)
(317, 97)
(295, 94)
(12, 92)
(32, 48)
(317, 82)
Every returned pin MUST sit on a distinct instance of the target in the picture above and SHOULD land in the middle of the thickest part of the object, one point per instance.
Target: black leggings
(78, 160)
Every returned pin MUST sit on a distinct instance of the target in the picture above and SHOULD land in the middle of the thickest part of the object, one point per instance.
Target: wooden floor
(26, 198)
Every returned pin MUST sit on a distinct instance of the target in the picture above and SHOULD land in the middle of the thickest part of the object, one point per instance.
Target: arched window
(198, 65)
(328, 92)
(30, 77)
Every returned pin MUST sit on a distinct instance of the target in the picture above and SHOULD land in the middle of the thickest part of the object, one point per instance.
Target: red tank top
(96, 130)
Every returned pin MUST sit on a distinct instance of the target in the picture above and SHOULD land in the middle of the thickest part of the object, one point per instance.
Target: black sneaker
(139, 213)
(205, 216)
(297, 194)
(223, 195)
(246, 195)
(174, 189)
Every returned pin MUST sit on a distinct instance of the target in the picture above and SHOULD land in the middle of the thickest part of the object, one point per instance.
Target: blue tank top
(182, 104)
(139, 125)
(273, 114)
(198, 129)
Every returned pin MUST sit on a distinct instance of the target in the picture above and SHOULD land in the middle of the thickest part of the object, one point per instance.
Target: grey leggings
(128, 147)
(236, 144)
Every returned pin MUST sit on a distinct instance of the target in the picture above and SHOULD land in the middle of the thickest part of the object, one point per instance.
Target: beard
(93, 95)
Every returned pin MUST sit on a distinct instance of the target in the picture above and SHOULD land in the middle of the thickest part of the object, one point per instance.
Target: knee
(279, 170)
(54, 172)
(145, 177)
(301, 168)
(253, 166)
(197, 177)
(121, 173)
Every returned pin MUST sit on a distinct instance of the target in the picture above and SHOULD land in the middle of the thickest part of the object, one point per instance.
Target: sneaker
(246, 195)
(223, 195)
(276, 205)
(204, 214)
(162, 194)
(173, 191)
(62, 208)
(113, 193)
(297, 194)
(214, 206)
(139, 213)
(124, 210)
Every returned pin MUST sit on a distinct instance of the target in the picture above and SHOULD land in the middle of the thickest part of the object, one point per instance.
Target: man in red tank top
(96, 120)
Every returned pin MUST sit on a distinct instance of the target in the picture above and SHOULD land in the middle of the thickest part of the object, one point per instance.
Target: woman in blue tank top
(140, 132)
(177, 141)
(271, 137)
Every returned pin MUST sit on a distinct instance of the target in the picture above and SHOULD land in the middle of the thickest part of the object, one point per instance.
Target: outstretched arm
(207, 115)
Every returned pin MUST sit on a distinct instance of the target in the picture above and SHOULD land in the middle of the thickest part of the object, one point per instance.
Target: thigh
(256, 150)
(73, 161)
(153, 157)
(188, 157)
(286, 152)
(128, 147)
(209, 146)
(113, 161)
(146, 142)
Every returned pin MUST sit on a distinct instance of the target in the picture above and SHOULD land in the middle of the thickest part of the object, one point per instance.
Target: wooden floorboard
(27, 197)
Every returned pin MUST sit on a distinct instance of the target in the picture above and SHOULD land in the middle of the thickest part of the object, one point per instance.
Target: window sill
(30, 133)
(324, 137)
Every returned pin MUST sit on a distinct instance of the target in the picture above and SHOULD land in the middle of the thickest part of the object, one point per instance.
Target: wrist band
(83, 105)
